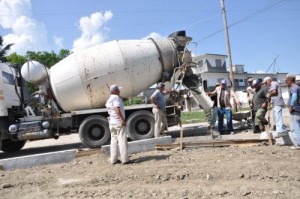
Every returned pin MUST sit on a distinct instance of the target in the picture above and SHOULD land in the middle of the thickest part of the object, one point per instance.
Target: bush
(133, 101)
(192, 117)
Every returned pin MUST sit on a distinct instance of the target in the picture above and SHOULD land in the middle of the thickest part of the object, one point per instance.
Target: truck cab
(10, 102)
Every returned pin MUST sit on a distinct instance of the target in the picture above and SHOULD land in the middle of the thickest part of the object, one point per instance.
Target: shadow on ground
(149, 158)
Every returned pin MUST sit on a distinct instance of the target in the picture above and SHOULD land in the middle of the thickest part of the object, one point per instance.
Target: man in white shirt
(117, 125)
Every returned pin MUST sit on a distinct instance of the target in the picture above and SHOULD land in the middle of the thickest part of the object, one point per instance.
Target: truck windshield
(8, 78)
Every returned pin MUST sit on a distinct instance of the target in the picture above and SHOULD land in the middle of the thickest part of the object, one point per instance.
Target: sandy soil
(231, 172)
(228, 172)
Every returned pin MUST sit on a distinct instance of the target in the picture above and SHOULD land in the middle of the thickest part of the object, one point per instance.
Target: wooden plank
(169, 146)
(214, 143)
(87, 153)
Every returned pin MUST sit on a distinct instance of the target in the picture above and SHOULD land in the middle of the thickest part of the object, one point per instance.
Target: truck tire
(140, 125)
(9, 146)
(94, 131)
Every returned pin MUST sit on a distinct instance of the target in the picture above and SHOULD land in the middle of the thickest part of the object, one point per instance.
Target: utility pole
(228, 52)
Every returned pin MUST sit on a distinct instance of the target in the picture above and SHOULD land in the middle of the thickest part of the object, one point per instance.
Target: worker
(260, 104)
(294, 109)
(158, 110)
(224, 106)
(250, 93)
(277, 102)
(117, 125)
(214, 108)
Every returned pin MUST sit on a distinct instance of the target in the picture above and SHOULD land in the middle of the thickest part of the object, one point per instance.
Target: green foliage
(132, 101)
(63, 53)
(14, 58)
(192, 117)
(46, 58)
(4, 50)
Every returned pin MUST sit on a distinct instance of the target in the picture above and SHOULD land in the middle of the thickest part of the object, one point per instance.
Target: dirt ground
(227, 172)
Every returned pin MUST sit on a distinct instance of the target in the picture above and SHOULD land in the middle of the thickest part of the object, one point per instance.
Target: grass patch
(192, 117)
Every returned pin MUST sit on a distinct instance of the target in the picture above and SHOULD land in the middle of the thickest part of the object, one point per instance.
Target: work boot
(256, 129)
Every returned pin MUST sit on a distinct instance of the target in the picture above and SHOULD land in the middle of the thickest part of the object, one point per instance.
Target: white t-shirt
(113, 102)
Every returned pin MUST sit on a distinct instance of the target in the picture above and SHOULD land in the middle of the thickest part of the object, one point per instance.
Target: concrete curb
(38, 160)
(141, 145)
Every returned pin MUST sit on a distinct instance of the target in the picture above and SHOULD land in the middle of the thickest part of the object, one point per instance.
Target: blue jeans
(214, 116)
(295, 129)
(228, 112)
(277, 115)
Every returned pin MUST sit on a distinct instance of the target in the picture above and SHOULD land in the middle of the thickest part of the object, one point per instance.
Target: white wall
(212, 78)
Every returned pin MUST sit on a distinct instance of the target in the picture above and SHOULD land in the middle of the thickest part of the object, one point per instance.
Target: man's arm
(118, 112)
(266, 102)
(169, 91)
(153, 100)
(213, 93)
(293, 100)
(273, 90)
(236, 99)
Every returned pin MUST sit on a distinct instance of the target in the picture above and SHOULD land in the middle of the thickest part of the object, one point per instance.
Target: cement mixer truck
(72, 94)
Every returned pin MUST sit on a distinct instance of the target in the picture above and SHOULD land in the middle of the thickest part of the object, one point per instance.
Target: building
(212, 68)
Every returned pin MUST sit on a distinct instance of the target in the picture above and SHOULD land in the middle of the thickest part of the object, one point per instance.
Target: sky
(259, 30)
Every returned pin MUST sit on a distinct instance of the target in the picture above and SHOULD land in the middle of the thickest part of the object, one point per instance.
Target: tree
(14, 58)
(3, 50)
(48, 59)
(63, 53)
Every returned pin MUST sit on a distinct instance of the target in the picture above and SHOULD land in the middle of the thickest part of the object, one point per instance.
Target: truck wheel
(140, 125)
(94, 131)
(9, 146)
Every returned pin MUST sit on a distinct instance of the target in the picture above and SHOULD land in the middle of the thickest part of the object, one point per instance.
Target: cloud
(153, 35)
(26, 33)
(11, 10)
(93, 30)
(260, 71)
(58, 42)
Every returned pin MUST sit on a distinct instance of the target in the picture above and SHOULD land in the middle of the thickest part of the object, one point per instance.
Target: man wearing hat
(157, 98)
(260, 104)
(278, 103)
(250, 92)
(117, 125)
(214, 108)
(294, 108)
(224, 106)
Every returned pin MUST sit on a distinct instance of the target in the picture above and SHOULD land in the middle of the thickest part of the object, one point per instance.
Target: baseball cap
(249, 79)
(266, 79)
(255, 82)
(114, 87)
(223, 81)
(217, 84)
(290, 76)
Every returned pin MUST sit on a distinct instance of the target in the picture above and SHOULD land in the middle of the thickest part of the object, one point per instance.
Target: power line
(244, 19)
